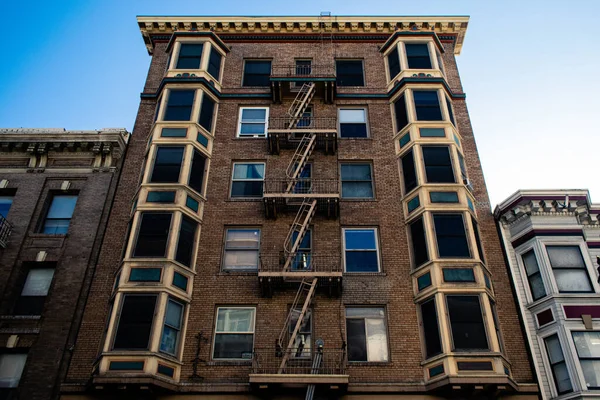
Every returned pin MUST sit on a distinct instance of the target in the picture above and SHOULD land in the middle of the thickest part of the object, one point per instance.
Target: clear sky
(529, 69)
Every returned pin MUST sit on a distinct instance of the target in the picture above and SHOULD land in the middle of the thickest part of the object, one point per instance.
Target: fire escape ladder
(302, 100)
(300, 226)
(306, 290)
(299, 159)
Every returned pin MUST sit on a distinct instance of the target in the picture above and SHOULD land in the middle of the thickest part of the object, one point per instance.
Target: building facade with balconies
(303, 214)
(552, 242)
(56, 190)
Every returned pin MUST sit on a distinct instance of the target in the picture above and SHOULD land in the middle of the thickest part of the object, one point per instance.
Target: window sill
(248, 199)
(20, 317)
(250, 137)
(357, 274)
(47, 235)
(357, 200)
(369, 363)
(355, 138)
(229, 363)
(238, 273)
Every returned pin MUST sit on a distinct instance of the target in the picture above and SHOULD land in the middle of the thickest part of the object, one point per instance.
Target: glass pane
(173, 132)
(537, 286)
(353, 130)
(5, 203)
(241, 259)
(530, 261)
(365, 312)
(173, 314)
(356, 172)
(591, 373)
(555, 354)
(587, 344)
(360, 239)
(565, 257)
(376, 340)
(418, 56)
(468, 331)
(572, 280)
(247, 189)
(235, 320)
(11, 368)
(62, 207)
(305, 244)
(432, 132)
(443, 197)
(249, 171)
(252, 129)
(362, 190)
(214, 64)
(357, 343)
(427, 106)
(191, 49)
(206, 113)
(431, 329)
(145, 274)
(242, 238)
(424, 281)
(38, 282)
(185, 243)
(352, 115)
(180, 281)
(258, 67)
(254, 114)
(161, 197)
(153, 235)
(400, 113)
(561, 376)
(458, 275)
(451, 236)
(135, 322)
(362, 261)
(394, 63)
(233, 346)
(408, 172)
(56, 226)
(168, 340)
(197, 172)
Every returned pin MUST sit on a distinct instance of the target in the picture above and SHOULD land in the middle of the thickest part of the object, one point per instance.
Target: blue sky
(528, 68)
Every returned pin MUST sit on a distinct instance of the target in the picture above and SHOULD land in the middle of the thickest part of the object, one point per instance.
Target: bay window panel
(11, 369)
(179, 105)
(451, 235)
(206, 113)
(558, 364)
(569, 269)
(167, 165)
(417, 55)
(185, 245)
(467, 324)
(171, 328)
(431, 329)
(419, 242)
(409, 172)
(400, 113)
(214, 64)
(438, 164)
(393, 62)
(135, 322)
(534, 277)
(427, 105)
(190, 55)
(153, 235)
(196, 180)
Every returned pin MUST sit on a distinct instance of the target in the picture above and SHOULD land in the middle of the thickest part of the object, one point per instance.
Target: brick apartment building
(56, 189)
(552, 242)
(302, 212)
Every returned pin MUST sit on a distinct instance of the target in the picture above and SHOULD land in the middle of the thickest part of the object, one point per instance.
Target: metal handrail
(5, 231)
(304, 122)
(302, 261)
(303, 186)
(303, 71)
(300, 361)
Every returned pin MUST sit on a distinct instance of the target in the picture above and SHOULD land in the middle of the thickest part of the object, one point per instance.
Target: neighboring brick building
(552, 242)
(302, 209)
(56, 190)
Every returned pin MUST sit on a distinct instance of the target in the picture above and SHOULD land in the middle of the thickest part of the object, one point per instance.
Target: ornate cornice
(237, 28)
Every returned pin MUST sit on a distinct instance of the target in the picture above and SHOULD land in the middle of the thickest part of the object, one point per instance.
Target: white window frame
(519, 253)
(561, 242)
(370, 164)
(233, 332)
(569, 354)
(246, 179)
(387, 332)
(376, 233)
(223, 265)
(238, 133)
(339, 120)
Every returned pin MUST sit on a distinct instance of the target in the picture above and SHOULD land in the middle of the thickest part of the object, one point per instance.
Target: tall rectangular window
(34, 292)
(185, 244)
(366, 333)
(153, 235)
(135, 322)
(234, 333)
(11, 369)
(451, 235)
(241, 249)
(5, 203)
(477, 238)
(214, 64)
(419, 242)
(463, 167)
(169, 339)
(302, 261)
(197, 172)
(179, 105)
(190, 55)
(349, 73)
(253, 122)
(393, 62)
(409, 172)
(353, 122)
(560, 372)
(450, 111)
(59, 214)
(466, 320)
(400, 113)
(588, 351)
(417, 55)
(257, 73)
(438, 164)
(206, 112)
(303, 342)
(167, 165)
(361, 252)
(247, 180)
(357, 181)
(427, 105)
(569, 269)
(534, 277)
(431, 330)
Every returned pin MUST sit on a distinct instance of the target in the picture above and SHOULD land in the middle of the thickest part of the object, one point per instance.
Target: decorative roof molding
(557, 203)
(447, 26)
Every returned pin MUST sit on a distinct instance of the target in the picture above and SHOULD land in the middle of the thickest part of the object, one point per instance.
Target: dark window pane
(361, 261)
(424, 281)
(233, 346)
(59, 215)
(356, 181)
(477, 239)
(443, 197)
(167, 165)
(173, 132)
(558, 365)
(427, 105)
(190, 55)
(468, 330)
(432, 132)
(180, 281)
(451, 236)
(153, 235)
(431, 329)
(353, 130)
(418, 56)
(206, 113)
(393, 62)
(408, 172)
(458, 274)
(30, 305)
(197, 171)
(450, 111)
(438, 165)
(419, 243)
(135, 322)
(349, 73)
(257, 73)
(185, 245)
(161, 197)
(179, 105)
(247, 189)
(145, 274)
(400, 113)
(357, 340)
(192, 204)
(214, 64)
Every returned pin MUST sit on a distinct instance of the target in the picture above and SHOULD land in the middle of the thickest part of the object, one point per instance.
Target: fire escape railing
(300, 361)
(302, 186)
(304, 123)
(303, 71)
(302, 261)
(5, 231)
